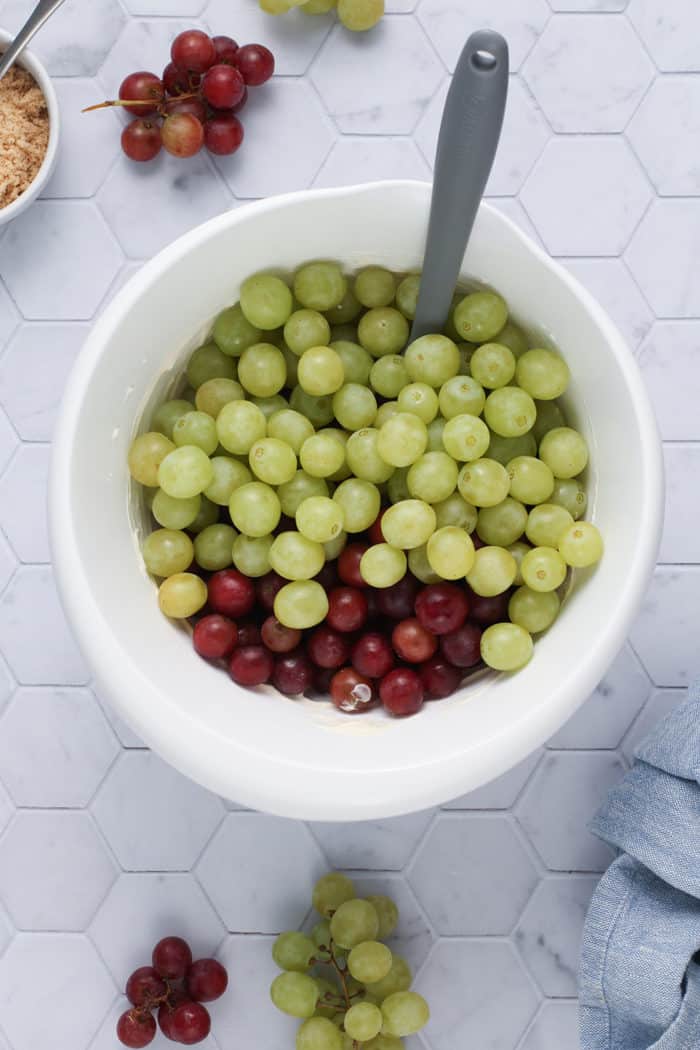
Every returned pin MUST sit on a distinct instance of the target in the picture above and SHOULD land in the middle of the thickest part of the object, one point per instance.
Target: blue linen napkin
(640, 958)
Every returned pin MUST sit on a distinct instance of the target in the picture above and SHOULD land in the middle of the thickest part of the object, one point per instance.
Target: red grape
(375, 533)
(193, 50)
(328, 576)
(277, 637)
(223, 86)
(166, 1014)
(372, 655)
(190, 1023)
(135, 1029)
(174, 80)
(293, 673)
(398, 601)
(182, 134)
(489, 610)
(144, 87)
(351, 692)
(442, 607)
(172, 958)
(144, 986)
(231, 593)
(206, 980)
(347, 609)
(323, 676)
(266, 589)
(249, 634)
(141, 140)
(195, 106)
(349, 564)
(439, 678)
(328, 648)
(251, 665)
(462, 647)
(401, 691)
(223, 134)
(214, 637)
(256, 63)
(239, 106)
(226, 49)
(413, 642)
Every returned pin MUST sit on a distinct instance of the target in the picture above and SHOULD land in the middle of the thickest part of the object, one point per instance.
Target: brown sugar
(24, 133)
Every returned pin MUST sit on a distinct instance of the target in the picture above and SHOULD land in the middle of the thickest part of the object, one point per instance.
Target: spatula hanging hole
(484, 60)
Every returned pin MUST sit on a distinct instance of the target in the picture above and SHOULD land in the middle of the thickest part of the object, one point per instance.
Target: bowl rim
(29, 61)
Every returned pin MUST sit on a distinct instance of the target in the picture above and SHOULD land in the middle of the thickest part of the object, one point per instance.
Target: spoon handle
(43, 10)
(469, 134)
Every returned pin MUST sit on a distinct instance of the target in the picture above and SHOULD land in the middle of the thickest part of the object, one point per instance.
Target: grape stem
(134, 102)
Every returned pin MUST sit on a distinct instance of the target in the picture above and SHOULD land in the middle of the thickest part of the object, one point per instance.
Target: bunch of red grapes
(173, 988)
(196, 101)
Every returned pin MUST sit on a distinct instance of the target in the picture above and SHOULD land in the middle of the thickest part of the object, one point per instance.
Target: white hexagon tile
(103, 847)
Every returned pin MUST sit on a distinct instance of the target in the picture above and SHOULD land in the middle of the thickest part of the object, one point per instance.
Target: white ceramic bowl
(30, 62)
(301, 758)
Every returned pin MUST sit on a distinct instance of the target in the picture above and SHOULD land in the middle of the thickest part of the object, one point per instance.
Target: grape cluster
(173, 988)
(413, 504)
(350, 991)
(357, 15)
(196, 101)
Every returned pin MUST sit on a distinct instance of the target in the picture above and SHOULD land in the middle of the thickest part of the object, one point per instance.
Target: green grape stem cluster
(345, 985)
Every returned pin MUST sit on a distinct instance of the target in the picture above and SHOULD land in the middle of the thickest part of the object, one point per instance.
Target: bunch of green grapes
(347, 987)
(357, 15)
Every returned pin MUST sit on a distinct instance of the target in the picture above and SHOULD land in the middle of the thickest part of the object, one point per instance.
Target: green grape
(421, 400)
(519, 550)
(318, 410)
(320, 519)
(262, 370)
(544, 374)
(483, 483)
(255, 509)
(146, 454)
(167, 415)
(322, 455)
(479, 317)
(292, 362)
(534, 611)
(546, 523)
(581, 545)
(293, 951)
(451, 552)
(266, 301)
(269, 406)
(570, 494)
(375, 286)
(506, 449)
(213, 547)
(564, 451)
(543, 569)
(389, 376)
(433, 477)
(466, 437)
(435, 431)
(357, 363)
(185, 472)
(295, 557)
(492, 365)
(215, 393)
(360, 15)
(335, 547)
(509, 411)
(174, 513)
(363, 1021)
(407, 295)
(363, 458)
(466, 352)
(355, 406)
(208, 515)
(383, 330)
(251, 555)
(502, 524)
(397, 980)
(346, 311)
(397, 486)
(304, 329)
(461, 394)
(233, 333)
(317, 7)
(382, 1042)
(354, 921)
(387, 913)
(404, 1013)
(409, 523)
(182, 595)
(321, 933)
(301, 604)
(506, 646)
(360, 501)
(302, 486)
(291, 427)
(402, 439)
(455, 511)
(319, 1033)
(330, 892)
(320, 285)
(295, 994)
(167, 552)
(320, 371)
(383, 565)
(277, 7)
(208, 362)
(420, 566)
(531, 480)
(549, 416)
(432, 359)
(514, 338)
(272, 461)
(239, 425)
(342, 332)
(196, 428)
(493, 571)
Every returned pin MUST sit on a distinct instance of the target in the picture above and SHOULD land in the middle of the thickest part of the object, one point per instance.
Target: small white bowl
(31, 63)
(301, 758)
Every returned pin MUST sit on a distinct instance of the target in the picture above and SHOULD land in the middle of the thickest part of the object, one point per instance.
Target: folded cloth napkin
(639, 980)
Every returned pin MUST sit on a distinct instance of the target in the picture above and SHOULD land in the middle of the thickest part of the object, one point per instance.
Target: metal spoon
(43, 10)
(469, 134)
